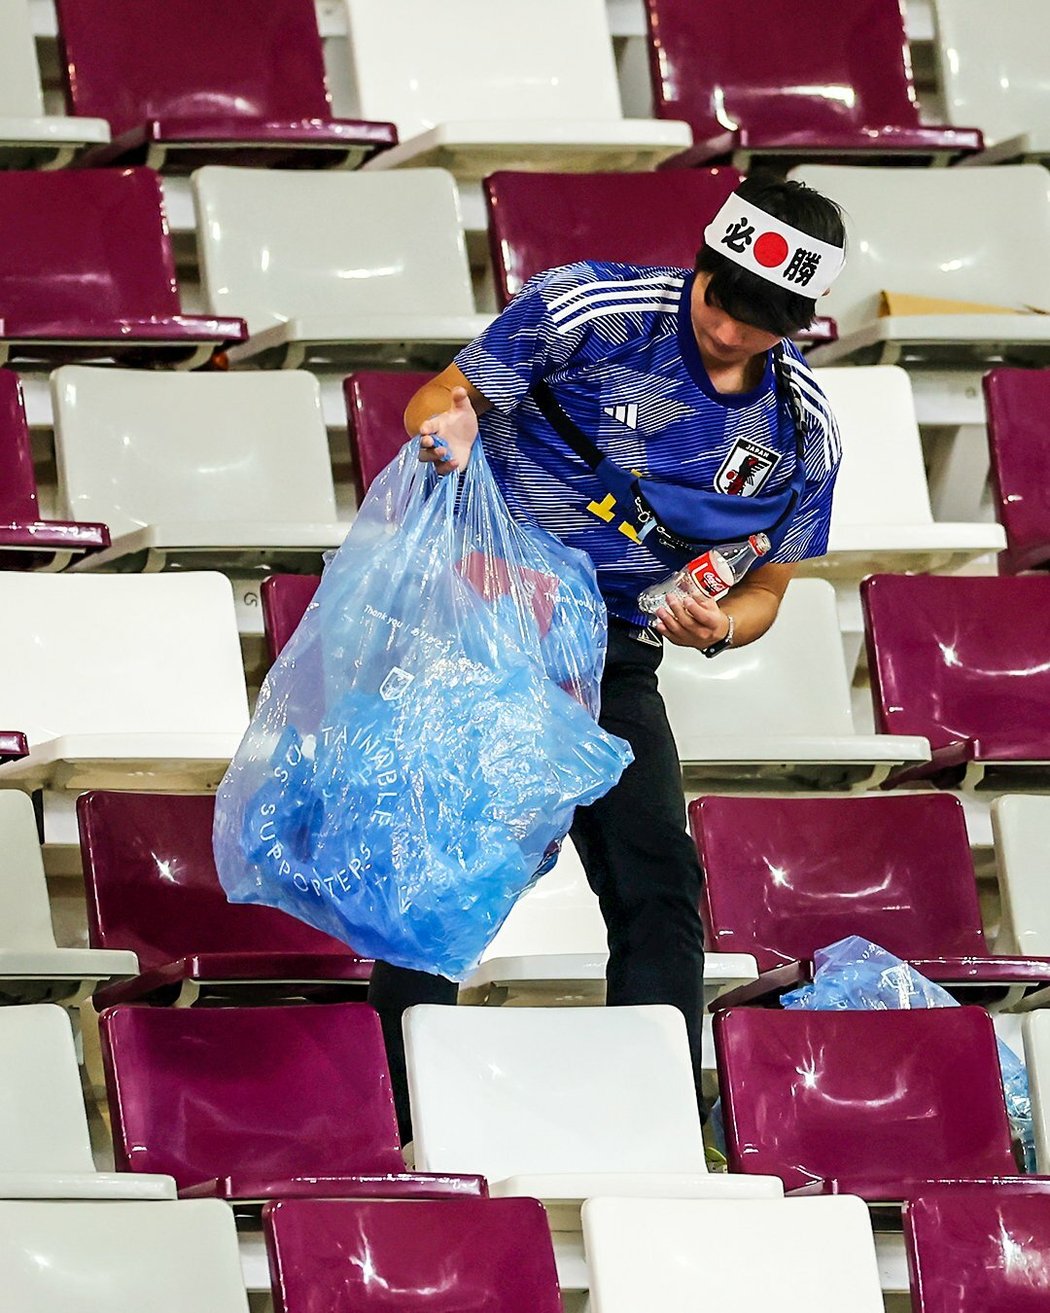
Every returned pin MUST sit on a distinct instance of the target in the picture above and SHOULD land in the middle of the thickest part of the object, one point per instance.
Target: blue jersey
(616, 346)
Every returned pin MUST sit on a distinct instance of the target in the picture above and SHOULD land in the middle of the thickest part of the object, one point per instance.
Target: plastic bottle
(740, 557)
(712, 573)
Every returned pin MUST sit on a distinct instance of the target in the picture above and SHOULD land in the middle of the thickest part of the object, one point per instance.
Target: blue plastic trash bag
(856, 975)
(421, 743)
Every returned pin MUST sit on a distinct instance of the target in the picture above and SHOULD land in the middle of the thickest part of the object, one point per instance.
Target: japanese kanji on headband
(773, 249)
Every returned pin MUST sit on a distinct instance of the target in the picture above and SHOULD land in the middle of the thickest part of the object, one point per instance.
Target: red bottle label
(711, 573)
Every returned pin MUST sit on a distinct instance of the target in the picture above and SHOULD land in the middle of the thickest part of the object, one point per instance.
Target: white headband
(773, 249)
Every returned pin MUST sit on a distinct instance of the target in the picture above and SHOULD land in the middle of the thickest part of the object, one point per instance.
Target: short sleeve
(529, 340)
(811, 526)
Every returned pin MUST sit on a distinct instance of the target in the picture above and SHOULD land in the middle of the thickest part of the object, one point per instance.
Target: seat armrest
(887, 1193)
(952, 756)
(813, 1188)
(142, 985)
(767, 988)
(53, 535)
(399, 1185)
(13, 745)
(704, 153)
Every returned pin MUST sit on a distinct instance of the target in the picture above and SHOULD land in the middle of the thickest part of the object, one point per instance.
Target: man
(641, 414)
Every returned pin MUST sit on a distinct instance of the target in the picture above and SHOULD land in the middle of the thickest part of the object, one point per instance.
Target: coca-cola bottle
(712, 573)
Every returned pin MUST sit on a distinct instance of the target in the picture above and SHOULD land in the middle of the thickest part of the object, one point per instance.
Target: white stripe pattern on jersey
(668, 304)
(598, 287)
(814, 404)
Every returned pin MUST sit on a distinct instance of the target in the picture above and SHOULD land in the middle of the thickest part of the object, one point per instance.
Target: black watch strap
(723, 643)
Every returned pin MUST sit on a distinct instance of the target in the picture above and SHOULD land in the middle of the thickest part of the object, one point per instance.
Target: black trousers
(639, 861)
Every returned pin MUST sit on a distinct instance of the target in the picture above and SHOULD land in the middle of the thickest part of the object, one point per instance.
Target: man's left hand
(693, 621)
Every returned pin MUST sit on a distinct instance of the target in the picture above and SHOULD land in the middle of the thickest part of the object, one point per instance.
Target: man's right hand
(447, 438)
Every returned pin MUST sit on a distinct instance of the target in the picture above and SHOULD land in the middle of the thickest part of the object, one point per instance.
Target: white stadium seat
(552, 947)
(1035, 1029)
(337, 269)
(778, 712)
(562, 1104)
(121, 681)
(29, 138)
(680, 1255)
(45, 1148)
(881, 518)
(199, 469)
(32, 966)
(1021, 831)
(552, 942)
(475, 88)
(994, 74)
(979, 236)
(121, 1257)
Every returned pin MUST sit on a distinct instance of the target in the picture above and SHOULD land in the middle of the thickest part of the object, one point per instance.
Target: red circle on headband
(770, 250)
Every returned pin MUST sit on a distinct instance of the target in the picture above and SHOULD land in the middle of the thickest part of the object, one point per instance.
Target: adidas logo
(627, 415)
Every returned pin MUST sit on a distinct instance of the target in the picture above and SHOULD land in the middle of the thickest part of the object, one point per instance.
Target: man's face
(724, 340)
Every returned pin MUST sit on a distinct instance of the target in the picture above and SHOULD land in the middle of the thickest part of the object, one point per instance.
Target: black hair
(745, 296)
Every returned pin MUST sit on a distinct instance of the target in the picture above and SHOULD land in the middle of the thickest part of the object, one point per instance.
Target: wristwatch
(722, 643)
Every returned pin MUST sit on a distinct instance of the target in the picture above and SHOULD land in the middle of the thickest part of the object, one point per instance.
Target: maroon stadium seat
(540, 220)
(285, 598)
(184, 83)
(87, 272)
(251, 1104)
(963, 662)
(345, 1256)
(877, 1104)
(152, 888)
(26, 541)
(375, 408)
(1018, 406)
(979, 1248)
(786, 876)
(822, 81)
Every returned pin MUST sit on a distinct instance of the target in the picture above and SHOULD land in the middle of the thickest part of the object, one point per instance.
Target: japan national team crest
(746, 469)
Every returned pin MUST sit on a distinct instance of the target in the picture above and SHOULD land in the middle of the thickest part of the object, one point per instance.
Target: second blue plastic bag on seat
(853, 974)
(422, 741)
